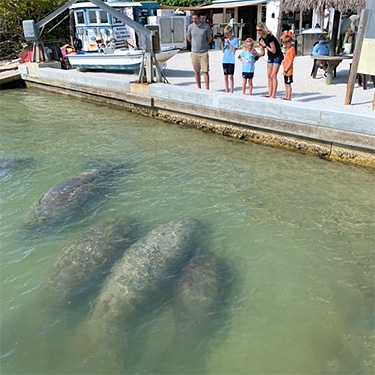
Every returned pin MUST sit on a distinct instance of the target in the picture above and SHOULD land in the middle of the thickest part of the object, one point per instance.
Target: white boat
(118, 59)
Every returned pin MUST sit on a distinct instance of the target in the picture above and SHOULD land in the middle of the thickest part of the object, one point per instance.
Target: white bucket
(347, 48)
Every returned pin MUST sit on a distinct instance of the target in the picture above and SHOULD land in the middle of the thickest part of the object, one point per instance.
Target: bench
(332, 63)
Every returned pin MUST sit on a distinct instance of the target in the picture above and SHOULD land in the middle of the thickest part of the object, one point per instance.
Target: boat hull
(124, 60)
(164, 56)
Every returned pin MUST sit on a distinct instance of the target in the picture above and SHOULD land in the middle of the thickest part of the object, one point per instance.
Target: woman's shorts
(275, 61)
(247, 75)
(228, 69)
(200, 62)
(288, 79)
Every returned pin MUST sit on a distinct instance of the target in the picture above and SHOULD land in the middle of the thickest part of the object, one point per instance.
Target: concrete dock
(330, 131)
(9, 74)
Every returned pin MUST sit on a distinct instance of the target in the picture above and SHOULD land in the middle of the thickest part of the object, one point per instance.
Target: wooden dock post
(357, 54)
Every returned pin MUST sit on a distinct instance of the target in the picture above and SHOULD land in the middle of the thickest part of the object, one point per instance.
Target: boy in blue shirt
(248, 57)
(229, 46)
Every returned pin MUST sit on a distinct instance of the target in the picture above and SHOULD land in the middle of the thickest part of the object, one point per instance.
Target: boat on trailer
(118, 59)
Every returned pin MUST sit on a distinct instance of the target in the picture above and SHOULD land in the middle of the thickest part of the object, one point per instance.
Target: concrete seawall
(333, 134)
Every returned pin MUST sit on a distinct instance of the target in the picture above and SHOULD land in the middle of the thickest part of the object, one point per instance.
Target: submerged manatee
(200, 292)
(139, 278)
(72, 195)
(144, 269)
(199, 310)
(43, 328)
(88, 259)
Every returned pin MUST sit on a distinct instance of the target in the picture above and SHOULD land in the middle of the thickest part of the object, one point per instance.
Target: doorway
(249, 16)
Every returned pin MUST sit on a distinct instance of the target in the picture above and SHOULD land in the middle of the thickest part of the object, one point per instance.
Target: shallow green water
(296, 232)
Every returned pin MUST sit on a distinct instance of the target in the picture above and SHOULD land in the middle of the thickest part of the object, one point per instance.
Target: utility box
(172, 30)
(30, 31)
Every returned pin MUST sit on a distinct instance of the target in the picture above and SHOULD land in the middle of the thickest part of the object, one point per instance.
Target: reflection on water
(295, 233)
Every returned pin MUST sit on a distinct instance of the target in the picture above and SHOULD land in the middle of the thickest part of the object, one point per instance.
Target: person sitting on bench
(321, 48)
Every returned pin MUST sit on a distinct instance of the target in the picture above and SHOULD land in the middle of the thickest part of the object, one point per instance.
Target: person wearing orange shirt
(288, 66)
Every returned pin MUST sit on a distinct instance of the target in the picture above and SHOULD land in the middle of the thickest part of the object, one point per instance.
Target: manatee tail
(96, 349)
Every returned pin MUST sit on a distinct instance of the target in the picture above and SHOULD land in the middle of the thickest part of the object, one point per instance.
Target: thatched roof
(319, 5)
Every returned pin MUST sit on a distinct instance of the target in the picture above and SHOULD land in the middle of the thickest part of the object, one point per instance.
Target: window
(92, 16)
(103, 16)
(97, 17)
(79, 18)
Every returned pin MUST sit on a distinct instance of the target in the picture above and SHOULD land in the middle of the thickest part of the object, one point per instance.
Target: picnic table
(332, 63)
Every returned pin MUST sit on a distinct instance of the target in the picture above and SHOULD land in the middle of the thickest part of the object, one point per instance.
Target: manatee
(143, 270)
(138, 279)
(44, 326)
(88, 258)
(73, 195)
(200, 292)
(199, 310)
